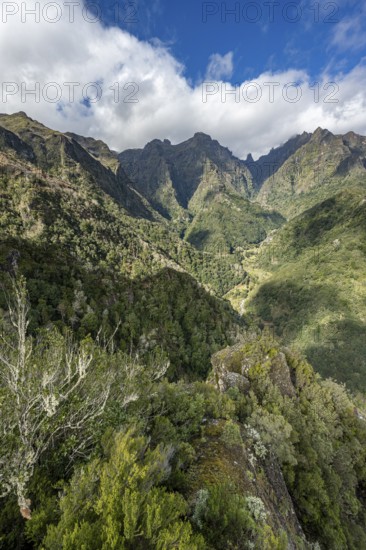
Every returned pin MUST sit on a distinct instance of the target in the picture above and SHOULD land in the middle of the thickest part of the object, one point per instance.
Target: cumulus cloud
(220, 66)
(78, 75)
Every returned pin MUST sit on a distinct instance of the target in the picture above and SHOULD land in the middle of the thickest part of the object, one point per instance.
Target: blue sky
(251, 74)
(262, 35)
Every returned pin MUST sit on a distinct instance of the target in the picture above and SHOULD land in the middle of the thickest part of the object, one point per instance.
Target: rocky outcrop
(231, 367)
(174, 177)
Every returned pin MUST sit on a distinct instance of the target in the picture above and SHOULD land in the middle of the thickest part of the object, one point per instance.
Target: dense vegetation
(203, 189)
(309, 169)
(138, 410)
(312, 287)
(189, 466)
(90, 264)
(228, 223)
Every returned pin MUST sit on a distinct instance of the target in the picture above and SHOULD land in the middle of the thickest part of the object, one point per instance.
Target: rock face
(281, 503)
(235, 366)
(98, 149)
(203, 187)
(309, 169)
(280, 375)
(231, 367)
(290, 178)
(219, 463)
(10, 141)
(175, 177)
(263, 168)
(71, 157)
(229, 380)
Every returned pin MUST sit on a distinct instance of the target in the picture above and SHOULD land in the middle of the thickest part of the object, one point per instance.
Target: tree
(121, 503)
(49, 388)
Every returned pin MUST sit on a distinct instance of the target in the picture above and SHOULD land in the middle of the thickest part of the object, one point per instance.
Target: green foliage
(309, 169)
(229, 222)
(186, 465)
(276, 432)
(256, 508)
(231, 435)
(320, 442)
(89, 264)
(119, 503)
(229, 520)
(223, 517)
(187, 323)
(312, 292)
(137, 490)
(12, 534)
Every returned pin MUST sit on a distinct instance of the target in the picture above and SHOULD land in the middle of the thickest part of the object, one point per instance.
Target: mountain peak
(158, 143)
(155, 141)
(202, 136)
(175, 178)
(21, 113)
(17, 122)
(350, 134)
(321, 132)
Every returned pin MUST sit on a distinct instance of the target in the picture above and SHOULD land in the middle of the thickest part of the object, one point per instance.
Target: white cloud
(349, 33)
(220, 66)
(168, 105)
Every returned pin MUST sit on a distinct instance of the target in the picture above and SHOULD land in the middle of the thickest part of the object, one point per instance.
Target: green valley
(182, 344)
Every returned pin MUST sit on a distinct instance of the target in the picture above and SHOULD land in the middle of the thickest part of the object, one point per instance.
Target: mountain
(268, 164)
(308, 285)
(229, 223)
(310, 168)
(71, 193)
(306, 278)
(138, 408)
(90, 260)
(68, 198)
(98, 149)
(203, 189)
(62, 156)
(12, 144)
(176, 177)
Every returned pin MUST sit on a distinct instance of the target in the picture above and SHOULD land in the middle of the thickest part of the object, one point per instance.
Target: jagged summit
(176, 177)
(309, 168)
(69, 156)
(202, 136)
(22, 113)
(321, 133)
(179, 180)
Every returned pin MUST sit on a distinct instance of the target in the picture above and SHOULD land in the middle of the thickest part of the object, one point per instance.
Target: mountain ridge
(241, 440)
(215, 234)
(63, 155)
(318, 168)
